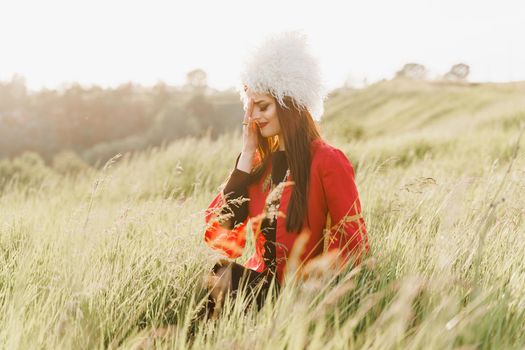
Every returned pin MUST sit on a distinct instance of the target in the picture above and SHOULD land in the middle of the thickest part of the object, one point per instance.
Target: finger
(246, 111)
(249, 110)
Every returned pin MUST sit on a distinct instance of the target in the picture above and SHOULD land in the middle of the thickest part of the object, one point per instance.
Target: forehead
(258, 96)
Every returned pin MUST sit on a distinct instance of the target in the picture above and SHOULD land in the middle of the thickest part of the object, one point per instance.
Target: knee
(222, 264)
(219, 278)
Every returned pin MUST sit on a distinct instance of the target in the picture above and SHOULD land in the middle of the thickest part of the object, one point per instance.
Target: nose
(256, 116)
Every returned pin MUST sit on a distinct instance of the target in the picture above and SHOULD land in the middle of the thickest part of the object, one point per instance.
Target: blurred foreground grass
(113, 258)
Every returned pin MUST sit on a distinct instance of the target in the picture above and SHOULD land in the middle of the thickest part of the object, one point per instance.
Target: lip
(262, 125)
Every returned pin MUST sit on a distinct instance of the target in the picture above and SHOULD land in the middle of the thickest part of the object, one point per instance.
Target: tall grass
(114, 258)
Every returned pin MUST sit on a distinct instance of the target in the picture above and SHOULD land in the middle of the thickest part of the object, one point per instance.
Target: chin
(268, 134)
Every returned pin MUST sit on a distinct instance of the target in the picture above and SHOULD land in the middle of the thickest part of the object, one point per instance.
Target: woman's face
(265, 113)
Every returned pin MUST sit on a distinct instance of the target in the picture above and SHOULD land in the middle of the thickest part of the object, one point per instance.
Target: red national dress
(333, 198)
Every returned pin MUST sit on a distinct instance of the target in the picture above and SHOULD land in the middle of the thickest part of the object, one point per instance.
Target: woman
(287, 181)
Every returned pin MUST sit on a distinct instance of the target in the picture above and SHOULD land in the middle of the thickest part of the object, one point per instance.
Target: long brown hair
(299, 130)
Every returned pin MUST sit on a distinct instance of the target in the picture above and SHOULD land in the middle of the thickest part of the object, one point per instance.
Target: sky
(53, 43)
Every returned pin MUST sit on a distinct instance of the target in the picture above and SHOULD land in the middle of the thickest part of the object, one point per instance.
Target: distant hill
(408, 120)
(397, 107)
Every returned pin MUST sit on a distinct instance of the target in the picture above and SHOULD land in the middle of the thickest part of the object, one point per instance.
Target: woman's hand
(249, 140)
(249, 130)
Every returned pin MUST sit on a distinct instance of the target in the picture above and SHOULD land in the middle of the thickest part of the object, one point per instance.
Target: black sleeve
(236, 189)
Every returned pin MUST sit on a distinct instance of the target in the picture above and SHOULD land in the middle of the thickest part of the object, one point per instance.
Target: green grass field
(114, 258)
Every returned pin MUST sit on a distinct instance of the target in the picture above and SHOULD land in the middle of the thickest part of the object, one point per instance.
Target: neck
(281, 143)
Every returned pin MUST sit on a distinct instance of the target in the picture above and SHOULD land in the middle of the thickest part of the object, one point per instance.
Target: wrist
(245, 161)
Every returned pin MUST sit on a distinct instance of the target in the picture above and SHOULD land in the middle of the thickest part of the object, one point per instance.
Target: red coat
(332, 191)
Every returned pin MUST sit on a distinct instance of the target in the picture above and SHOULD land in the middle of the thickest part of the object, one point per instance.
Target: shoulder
(323, 153)
(330, 162)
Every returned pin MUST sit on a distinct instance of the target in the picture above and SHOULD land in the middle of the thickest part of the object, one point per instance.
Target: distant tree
(13, 95)
(95, 121)
(412, 71)
(161, 93)
(199, 106)
(350, 82)
(197, 80)
(354, 82)
(18, 86)
(458, 72)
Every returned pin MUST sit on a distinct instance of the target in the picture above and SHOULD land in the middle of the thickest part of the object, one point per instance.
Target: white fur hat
(283, 66)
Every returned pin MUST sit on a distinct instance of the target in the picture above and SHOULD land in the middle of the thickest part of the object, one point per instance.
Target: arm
(347, 234)
(227, 215)
(235, 193)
